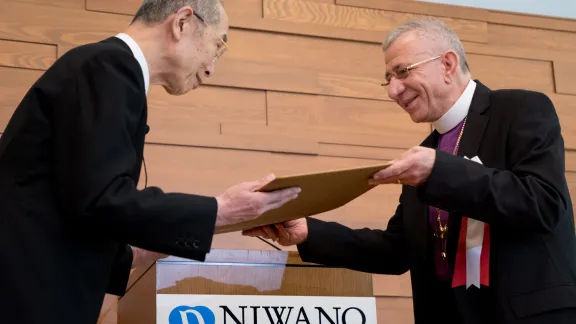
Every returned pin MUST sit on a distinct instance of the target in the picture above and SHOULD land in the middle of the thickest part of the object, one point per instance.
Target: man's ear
(183, 22)
(450, 64)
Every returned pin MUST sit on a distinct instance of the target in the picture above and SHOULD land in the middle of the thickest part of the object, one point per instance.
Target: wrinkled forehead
(407, 48)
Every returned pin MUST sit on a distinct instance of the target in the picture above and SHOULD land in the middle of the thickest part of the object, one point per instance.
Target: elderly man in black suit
(484, 223)
(70, 163)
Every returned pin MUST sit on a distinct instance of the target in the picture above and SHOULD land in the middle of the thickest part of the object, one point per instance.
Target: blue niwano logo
(191, 315)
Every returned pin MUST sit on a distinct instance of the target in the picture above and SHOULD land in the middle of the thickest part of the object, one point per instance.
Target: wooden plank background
(298, 91)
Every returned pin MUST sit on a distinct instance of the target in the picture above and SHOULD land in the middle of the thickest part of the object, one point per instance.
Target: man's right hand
(243, 202)
(288, 233)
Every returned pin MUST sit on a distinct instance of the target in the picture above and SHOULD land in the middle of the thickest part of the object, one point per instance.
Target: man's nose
(210, 69)
(395, 88)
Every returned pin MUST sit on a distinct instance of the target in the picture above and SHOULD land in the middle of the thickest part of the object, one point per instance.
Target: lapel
(472, 137)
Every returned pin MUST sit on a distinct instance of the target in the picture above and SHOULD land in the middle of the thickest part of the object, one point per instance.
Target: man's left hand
(413, 168)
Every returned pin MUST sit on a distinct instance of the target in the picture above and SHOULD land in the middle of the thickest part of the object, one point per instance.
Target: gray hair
(435, 30)
(156, 11)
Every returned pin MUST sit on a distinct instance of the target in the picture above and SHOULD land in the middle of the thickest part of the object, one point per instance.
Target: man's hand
(412, 169)
(242, 202)
(289, 233)
(141, 257)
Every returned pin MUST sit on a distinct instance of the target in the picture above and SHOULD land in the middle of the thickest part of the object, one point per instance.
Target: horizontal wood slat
(26, 55)
(322, 136)
(505, 72)
(368, 122)
(532, 38)
(128, 7)
(272, 143)
(302, 11)
(359, 152)
(417, 7)
(350, 145)
(394, 310)
(466, 12)
(204, 105)
(565, 77)
(281, 62)
(531, 21)
(78, 4)
(56, 25)
(392, 285)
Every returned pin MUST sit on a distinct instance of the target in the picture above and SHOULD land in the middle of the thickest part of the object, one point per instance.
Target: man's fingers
(271, 233)
(258, 231)
(278, 198)
(282, 233)
(257, 185)
(278, 203)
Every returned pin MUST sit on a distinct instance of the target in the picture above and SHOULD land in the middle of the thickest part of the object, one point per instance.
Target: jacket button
(196, 244)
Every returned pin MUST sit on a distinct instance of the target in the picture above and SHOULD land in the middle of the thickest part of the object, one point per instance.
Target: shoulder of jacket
(107, 54)
(105, 51)
(521, 103)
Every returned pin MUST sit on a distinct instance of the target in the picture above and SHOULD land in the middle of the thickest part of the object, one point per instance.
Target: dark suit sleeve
(531, 195)
(120, 271)
(367, 250)
(94, 143)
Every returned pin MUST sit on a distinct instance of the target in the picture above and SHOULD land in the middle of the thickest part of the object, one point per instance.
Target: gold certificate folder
(321, 192)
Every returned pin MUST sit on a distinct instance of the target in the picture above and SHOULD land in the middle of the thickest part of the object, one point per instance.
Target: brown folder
(321, 192)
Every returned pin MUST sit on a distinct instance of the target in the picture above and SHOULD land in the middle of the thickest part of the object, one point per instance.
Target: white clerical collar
(458, 112)
(139, 55)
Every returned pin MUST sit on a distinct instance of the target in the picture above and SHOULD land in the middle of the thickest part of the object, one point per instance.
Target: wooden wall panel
(201, 111)
(56, 25)
(298, 91)
(26, 55)
(282, 62)
(128, 7)
(504, 72)
(465, 12)
(302, 11)
(532, 37)
(417, 7)
(77, 4)
(394, 310)
(388, 124)
(565, 77)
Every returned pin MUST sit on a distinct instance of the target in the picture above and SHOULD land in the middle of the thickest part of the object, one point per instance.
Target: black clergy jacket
(520, 189)
(70, 162)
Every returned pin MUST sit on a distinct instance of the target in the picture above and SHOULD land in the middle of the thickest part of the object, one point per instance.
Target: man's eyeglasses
(403, 73)
(221, 49)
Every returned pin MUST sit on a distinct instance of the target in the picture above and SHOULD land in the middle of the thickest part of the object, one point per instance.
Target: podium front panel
(238, 273)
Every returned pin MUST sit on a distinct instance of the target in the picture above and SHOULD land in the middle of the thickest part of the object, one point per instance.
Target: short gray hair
(432, 29)
(156, 11)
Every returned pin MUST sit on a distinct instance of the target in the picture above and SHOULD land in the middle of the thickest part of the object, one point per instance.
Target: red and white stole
(472, 265)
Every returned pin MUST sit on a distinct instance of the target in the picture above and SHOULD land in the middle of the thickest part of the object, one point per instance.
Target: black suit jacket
(70, 163)
(520, 190)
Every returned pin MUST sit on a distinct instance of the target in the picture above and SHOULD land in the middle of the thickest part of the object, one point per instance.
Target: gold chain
(443, 229)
